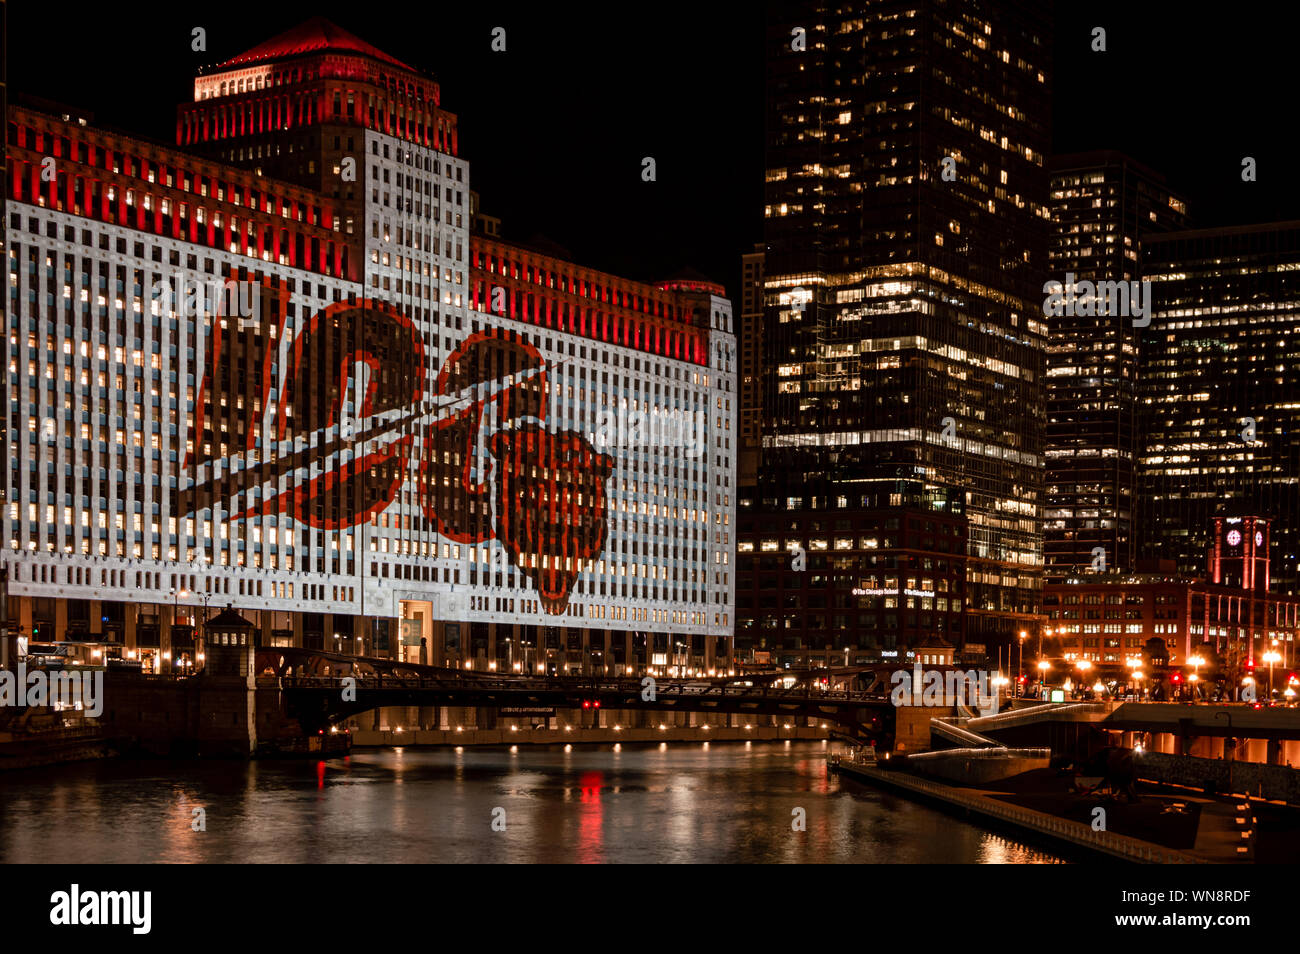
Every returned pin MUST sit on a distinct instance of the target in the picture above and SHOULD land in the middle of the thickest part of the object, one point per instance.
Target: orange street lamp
(1271, 657)
(1021, 667)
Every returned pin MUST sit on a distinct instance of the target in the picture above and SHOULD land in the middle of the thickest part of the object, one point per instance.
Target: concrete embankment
(579, 736)
(1058, 829)
(35, 749)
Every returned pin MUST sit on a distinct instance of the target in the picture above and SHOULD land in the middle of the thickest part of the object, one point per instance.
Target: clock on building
(1259, 538)
(1234, 538)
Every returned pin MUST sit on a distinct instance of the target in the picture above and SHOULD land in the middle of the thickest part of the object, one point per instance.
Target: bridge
(312, 683)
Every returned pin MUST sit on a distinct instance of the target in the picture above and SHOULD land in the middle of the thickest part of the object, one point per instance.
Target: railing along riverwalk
(1077, 833)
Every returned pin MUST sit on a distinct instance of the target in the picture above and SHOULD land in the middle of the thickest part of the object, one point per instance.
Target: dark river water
(673, 803)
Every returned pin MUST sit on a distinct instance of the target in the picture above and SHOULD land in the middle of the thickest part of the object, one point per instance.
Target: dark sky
(555, 128)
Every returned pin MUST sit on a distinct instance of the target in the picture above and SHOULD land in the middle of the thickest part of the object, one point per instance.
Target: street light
(998, 682)
(1197, 661)
(1020, 668)
(1271, 657)
(1043, 666)
(1133, 662)
(1083, 666)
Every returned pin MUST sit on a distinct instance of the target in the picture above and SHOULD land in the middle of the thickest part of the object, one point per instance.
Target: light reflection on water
(729, 803)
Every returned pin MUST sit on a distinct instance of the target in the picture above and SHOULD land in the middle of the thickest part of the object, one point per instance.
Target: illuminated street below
(679, 803)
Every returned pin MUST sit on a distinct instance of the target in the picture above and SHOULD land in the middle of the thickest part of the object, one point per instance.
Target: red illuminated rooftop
(312, 36)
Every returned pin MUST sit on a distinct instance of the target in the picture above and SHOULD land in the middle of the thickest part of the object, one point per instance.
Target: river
(668, 803)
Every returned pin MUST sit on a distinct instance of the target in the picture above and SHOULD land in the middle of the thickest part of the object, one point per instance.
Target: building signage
(862, 591)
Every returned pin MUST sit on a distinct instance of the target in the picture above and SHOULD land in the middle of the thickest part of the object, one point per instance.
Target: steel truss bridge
(312, 684)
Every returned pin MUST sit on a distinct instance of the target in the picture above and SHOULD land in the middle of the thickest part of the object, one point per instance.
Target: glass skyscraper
(907, 233)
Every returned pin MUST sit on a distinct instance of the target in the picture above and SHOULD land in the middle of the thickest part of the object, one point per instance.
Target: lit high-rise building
(1220, 411)
(1103, 203)
(750, 339)
(907, 235)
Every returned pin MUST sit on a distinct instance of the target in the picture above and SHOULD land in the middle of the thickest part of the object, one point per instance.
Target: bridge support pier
(228, 716)
(1274, 752)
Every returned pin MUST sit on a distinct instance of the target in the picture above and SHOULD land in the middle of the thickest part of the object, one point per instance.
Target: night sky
(555, 128)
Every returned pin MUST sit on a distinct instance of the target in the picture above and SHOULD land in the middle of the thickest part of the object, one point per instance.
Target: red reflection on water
(813, 776)
(320, 774)
(591, 819)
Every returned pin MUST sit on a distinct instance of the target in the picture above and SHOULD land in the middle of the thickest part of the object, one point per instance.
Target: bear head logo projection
(550, 506)
(541, 494)
(328, 427)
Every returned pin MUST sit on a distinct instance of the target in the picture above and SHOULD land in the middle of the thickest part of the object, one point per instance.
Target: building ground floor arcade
(168, 636)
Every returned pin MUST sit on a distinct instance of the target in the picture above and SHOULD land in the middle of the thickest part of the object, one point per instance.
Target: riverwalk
(1210, 826)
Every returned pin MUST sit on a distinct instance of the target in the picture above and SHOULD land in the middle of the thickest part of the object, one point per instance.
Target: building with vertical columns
(1227, 604)
(906, 238)
(751, 374)
(1103, 204)
(1220, 399)
(267, 367)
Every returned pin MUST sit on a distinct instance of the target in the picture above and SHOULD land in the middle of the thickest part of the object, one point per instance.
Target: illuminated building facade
(907, 236)
(751, 356)
(269, 367)
(889, 565)
(1103, 203)
(1228, 605)
(1220, 400)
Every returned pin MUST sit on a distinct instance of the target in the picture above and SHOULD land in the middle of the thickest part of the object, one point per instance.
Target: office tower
(1102, 205)
(750, 340)
(1220, 412)
(907, 234)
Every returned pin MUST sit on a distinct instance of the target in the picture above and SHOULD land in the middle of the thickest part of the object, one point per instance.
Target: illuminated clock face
(1259, 538)
(1234, 537)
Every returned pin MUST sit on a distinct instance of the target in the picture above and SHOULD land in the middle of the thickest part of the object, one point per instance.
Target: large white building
(369, 431)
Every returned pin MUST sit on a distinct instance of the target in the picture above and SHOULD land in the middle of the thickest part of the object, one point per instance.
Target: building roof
(933, 641)
(311, 36)
(227, 618)
(1095, 158)
(688, 279)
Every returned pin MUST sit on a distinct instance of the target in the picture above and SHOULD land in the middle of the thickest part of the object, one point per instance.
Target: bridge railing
(580, 685)
(1065, 828)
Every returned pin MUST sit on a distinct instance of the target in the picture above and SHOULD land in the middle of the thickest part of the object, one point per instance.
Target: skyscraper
(750, 344)
(907, 233)
(1102, 204)
(1220, 397)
